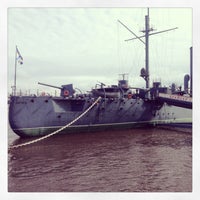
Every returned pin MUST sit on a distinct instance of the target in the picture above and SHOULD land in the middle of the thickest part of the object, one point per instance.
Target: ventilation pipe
(191, 66)
(186, 80)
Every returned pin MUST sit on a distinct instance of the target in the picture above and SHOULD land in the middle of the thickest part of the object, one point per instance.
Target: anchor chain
(57, 131)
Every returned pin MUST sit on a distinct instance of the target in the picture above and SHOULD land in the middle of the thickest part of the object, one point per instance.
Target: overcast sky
(86, 45)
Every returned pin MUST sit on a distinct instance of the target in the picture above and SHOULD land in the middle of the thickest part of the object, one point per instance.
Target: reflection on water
(138, 160)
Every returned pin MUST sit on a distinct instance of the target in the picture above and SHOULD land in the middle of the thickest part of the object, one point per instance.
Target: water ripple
(141, 160)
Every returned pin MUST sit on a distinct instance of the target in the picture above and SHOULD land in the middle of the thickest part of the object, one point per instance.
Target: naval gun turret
(65, 90)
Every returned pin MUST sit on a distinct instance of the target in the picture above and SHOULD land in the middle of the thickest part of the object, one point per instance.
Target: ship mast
(146, 31)
(18, 58)
(145, 72)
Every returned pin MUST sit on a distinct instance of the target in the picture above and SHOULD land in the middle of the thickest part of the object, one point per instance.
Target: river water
(137, 160)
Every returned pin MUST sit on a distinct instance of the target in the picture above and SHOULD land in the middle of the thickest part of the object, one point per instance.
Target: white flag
(19, 57)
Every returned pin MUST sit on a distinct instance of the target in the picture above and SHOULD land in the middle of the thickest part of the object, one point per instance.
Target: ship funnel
(186, 80)
(191, 66)
(173, 88)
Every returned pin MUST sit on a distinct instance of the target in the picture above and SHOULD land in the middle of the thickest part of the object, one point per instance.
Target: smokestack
(186, 80)
(191, 65)
(173, 88)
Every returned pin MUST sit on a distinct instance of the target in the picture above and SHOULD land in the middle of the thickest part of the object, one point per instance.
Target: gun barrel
(50, 85)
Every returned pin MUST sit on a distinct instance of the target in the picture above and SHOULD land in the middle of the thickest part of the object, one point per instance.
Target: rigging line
(152, 34)
(131, 31)
(122, 52)
(139, 59)
(118, 47)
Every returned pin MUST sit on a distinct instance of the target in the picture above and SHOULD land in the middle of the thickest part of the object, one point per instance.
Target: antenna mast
(146, 31)
(145, 72)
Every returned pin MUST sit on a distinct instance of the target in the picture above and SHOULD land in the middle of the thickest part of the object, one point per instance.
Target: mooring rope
(57, 131)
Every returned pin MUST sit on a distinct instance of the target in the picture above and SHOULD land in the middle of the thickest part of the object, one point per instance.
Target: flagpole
(15, 77)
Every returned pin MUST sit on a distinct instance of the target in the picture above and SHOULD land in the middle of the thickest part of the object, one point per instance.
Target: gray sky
(86, 45)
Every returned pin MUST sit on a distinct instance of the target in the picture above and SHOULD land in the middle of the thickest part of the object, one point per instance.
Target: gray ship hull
(37, 116)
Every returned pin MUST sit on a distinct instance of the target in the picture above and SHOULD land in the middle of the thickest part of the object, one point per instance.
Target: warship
(114, 107)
